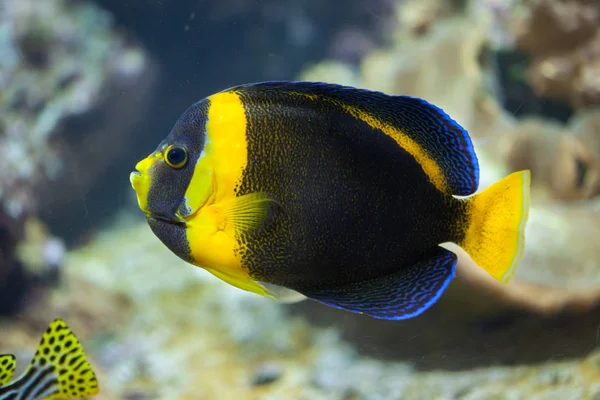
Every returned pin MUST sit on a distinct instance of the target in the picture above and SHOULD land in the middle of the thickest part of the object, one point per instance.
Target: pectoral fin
(244, 215)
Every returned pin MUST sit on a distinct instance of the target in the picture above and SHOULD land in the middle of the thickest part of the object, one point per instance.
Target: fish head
(175, 181)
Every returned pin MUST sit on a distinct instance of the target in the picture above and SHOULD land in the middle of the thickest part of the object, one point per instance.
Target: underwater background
(88, 88)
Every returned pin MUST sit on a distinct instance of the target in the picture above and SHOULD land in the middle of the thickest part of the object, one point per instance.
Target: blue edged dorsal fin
(438, 143)
(401, 295)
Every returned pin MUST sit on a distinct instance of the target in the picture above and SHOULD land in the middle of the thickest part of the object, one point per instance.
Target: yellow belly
(214, 250)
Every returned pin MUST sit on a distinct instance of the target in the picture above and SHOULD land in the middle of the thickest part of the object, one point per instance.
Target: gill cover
(202, 185)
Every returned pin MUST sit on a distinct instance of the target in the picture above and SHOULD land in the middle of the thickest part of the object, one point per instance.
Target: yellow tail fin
(495, 235)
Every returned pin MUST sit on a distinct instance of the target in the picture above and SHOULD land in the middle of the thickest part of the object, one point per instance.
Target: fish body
(59, 370)
(341, 194)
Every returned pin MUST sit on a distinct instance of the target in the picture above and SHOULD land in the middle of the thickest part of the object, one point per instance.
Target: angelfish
(341, 194)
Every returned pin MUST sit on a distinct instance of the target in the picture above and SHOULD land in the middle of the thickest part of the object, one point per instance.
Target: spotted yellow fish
(59, 370)
(337, 193)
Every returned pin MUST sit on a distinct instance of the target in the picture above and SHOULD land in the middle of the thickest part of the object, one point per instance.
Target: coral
(61, 63)
(563, 39)
(38, 249)
(13, 283)
(30, 259)
(563, 159)
(71, 53)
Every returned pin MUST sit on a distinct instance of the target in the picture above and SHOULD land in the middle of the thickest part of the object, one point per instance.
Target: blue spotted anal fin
(432, 130)
(7, 368)
(402, 295)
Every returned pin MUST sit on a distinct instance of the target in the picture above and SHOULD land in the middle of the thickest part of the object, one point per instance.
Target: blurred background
(88, 88)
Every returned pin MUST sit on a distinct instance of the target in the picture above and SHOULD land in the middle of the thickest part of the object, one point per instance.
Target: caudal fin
(495, 235)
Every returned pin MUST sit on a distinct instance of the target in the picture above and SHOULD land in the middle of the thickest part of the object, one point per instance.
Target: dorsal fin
(59, 369)
(7, 368)
(60, 349)
(438, 143)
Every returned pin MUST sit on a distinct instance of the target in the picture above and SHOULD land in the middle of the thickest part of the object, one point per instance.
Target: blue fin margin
(402, 295)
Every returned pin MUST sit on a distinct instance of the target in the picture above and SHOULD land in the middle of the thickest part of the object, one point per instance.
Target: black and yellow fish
(338, 193)
(59, 370)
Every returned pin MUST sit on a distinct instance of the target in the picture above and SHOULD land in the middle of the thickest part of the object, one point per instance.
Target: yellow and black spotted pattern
(59, 370)
(7, 368)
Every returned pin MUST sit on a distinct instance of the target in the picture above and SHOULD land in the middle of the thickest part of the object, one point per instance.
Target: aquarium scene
(300, 199)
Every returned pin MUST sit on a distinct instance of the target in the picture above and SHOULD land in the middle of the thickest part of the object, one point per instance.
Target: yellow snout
(141, 179)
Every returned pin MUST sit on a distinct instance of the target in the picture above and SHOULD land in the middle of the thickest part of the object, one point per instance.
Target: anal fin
(241, 281)
(401, 295)
(282, 294)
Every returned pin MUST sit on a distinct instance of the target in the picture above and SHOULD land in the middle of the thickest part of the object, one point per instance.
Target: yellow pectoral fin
(241, 282)
(246, 214)
(217, 228)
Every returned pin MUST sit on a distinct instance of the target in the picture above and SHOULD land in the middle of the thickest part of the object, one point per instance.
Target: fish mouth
(164, 219)
(141, 186)
(135, 178)
(135, 172)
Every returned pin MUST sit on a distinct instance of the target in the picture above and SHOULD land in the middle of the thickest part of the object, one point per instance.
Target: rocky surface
(155, 327)
(563, 39)
(563, 159)
(60, 60)
(63, 118)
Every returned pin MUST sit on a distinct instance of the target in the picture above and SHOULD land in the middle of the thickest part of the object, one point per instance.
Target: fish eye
(176, 157)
